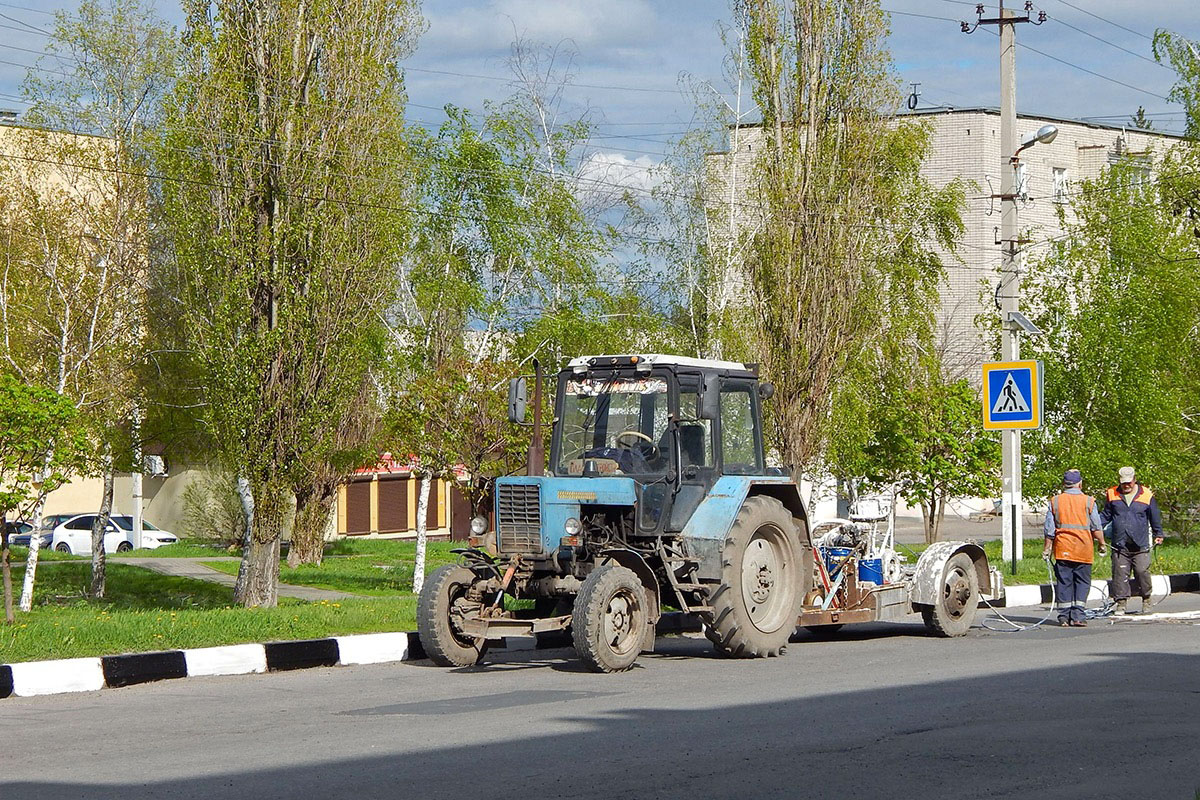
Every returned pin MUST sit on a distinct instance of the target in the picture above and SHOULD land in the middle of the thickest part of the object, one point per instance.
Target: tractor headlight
(479, 525)
(572, 526)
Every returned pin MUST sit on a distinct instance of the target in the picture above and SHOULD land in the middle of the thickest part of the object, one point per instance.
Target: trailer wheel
(608, 623)
(755, 607)
(443, 595)
(958, 599)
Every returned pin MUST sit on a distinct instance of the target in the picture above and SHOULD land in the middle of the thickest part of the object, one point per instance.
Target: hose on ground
(1105, 610)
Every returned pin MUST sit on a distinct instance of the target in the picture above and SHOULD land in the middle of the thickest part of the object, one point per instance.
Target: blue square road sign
(1012, 394)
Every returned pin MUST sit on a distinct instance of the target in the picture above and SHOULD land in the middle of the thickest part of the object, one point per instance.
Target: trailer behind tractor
(657, 494)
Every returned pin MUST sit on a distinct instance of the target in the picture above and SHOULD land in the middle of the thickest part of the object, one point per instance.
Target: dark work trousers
(1074, 581)
(1123, 562)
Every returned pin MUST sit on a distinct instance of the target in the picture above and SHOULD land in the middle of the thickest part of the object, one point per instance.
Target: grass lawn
(185, 548)
(378, 568)
(146, 611)
(1169, 558)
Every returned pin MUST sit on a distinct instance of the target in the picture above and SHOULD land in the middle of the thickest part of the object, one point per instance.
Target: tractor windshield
(621, 423)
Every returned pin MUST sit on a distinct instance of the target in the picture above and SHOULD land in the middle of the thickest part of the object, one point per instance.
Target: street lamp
(1011, 326)
(1044, 135)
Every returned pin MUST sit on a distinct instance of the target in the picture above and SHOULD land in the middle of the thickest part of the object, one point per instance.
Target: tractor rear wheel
(957, 601)
(608, 622)
(756, 605)
(442, 597)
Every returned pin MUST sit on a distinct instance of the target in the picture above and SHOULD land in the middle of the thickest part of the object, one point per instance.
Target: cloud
(489, 28)
(611, 174)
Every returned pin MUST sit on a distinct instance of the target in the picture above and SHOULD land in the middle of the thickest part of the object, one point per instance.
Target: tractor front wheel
(608, 623)
(443, 597)
(756, 605)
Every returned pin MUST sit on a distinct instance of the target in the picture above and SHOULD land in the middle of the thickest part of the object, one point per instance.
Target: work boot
(1147, 604)
(1119, 609)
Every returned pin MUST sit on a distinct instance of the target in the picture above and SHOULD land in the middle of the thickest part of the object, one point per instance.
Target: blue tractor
(657, 494)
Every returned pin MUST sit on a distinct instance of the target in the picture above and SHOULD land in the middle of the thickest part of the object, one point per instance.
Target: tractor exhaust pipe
(536, 462)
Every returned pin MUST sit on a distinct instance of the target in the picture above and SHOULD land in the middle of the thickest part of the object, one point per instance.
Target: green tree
(451, 419)
(1183, 55)
(85, 249)
(1118, 298)
(287, 205)
(842, 221)
(929, 446)
(41, 447)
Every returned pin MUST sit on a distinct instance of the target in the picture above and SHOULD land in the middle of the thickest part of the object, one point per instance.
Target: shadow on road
(1122, 727)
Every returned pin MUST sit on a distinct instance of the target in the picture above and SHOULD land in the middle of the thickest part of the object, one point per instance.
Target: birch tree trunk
(35, 543)
(422, 534)
(99, 526)
(258, 575)
(246, 496)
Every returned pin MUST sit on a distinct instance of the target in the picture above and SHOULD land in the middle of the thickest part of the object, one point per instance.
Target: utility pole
(1008, 294)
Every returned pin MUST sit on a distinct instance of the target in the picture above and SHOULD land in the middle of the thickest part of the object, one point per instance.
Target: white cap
(1125, 474)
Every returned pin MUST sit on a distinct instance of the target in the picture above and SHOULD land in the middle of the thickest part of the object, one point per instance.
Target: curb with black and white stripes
(26, 679)
(1160, 587)
(31, 678)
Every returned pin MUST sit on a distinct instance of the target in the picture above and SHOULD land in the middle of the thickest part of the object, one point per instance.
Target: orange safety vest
(1143, 495)
(1072, 530)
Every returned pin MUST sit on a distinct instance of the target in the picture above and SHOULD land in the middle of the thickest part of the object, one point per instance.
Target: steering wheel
(634, 434)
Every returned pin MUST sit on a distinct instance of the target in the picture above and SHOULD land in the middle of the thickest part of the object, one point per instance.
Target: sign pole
(1010, 282)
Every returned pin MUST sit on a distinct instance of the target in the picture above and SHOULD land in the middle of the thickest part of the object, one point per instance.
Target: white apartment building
(965, 143)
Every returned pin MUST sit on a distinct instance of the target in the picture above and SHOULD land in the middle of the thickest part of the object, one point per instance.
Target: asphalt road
(1106, 711)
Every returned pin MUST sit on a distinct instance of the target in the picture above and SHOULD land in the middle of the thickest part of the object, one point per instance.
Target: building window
(1139, 177)
(1062, 185)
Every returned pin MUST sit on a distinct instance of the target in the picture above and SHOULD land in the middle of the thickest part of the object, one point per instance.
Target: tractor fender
(926, 581)
(713, 518)
(634, 561)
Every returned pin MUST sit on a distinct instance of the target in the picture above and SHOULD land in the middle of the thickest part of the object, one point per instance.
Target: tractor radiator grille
(519, 518)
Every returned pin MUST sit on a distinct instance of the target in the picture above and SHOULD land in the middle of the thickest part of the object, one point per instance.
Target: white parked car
(75, 535)
(152, 537)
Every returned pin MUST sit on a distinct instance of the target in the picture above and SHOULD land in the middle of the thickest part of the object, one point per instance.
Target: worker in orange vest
(1072, 524)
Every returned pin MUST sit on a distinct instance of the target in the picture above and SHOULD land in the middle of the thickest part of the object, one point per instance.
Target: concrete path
(194, 568)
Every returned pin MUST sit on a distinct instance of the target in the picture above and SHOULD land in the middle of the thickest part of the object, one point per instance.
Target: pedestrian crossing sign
(1012, 394)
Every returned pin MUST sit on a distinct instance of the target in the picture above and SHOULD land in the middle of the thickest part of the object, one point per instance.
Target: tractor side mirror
(710, 399)
(518, 399)
(766, 390)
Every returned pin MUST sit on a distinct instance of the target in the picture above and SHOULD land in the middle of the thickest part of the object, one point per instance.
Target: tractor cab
(671, 424)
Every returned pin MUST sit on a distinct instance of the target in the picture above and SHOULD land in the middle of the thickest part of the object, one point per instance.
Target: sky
(629, 58)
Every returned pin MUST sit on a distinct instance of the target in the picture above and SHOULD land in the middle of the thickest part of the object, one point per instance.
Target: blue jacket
(1132, 522)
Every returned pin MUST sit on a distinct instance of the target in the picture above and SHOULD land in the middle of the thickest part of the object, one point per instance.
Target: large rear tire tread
(608, 593)
(730, 625)
(949, 617)
(443, 646)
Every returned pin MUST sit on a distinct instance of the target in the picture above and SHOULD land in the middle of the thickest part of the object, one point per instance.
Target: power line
(511, 80)
(1109, 21)
(1111, 44)
(1093, 72)
(26, 8)
(921, 16)
(32, 28)
(1052, 57)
